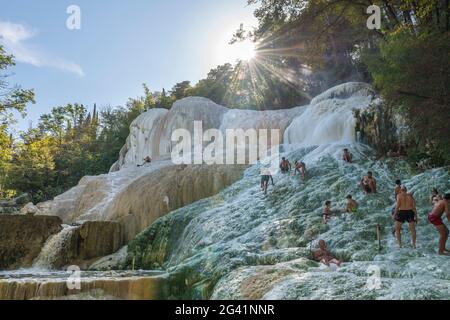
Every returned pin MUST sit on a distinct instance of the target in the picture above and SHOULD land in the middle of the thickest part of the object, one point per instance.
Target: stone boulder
(29, 209)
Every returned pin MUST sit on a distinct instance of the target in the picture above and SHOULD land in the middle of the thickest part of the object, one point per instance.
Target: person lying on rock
(147, 159)
(324, 256)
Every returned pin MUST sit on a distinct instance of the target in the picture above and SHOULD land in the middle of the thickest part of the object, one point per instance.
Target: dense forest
(303, 48)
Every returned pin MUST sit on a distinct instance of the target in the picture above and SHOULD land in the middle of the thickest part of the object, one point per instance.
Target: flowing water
(40, 284)
(56, 249)
(233, 240)
(244, 244)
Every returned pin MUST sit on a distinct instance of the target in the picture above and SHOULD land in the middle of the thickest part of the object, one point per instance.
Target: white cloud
(14, 36)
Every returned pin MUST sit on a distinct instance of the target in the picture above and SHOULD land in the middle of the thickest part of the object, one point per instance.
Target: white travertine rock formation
(138, 196)
(150, 133)
(329, 117)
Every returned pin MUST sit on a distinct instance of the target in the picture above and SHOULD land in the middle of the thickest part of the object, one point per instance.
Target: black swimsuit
(405, 216)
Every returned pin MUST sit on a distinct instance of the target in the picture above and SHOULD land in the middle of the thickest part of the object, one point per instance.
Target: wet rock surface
(80, 245)
(23, 237)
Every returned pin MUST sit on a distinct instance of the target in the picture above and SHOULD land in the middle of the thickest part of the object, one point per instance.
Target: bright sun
(244, 50)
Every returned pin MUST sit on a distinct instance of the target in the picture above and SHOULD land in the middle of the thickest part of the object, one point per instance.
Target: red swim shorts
(437, 221)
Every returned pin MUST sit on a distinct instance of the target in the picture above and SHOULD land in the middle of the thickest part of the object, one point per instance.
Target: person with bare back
(435, 218)
(405, 211)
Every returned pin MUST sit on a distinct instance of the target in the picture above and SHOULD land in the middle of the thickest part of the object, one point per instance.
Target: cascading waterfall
(55, 249)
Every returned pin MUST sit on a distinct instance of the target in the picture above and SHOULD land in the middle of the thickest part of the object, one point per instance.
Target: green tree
(12, 97)
(180, 90)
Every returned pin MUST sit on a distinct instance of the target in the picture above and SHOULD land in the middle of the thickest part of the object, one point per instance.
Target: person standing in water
(285, 165)
(434, 196)
(327, 213)
(352, 205)
(266, 176)
(435, 218)
(300, 167)
(368, 183)
(323, 255)
(405, 211)
(347, 156)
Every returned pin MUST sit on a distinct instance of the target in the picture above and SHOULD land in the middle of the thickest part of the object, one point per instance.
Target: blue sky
(121, 45)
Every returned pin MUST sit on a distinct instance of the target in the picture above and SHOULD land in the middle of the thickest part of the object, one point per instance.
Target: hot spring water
(223, 240)
(244, 244)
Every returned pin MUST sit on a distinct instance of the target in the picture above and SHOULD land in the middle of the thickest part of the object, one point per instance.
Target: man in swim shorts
(352, 205)
(368, 183)
(285, 165)
(405, 211)
(266, 176)
(435, 218)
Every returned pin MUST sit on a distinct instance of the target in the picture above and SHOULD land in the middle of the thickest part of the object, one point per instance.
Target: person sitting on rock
(368, 183)
(324, 256)
(352, 205)
(347, 156)
(147, 159)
